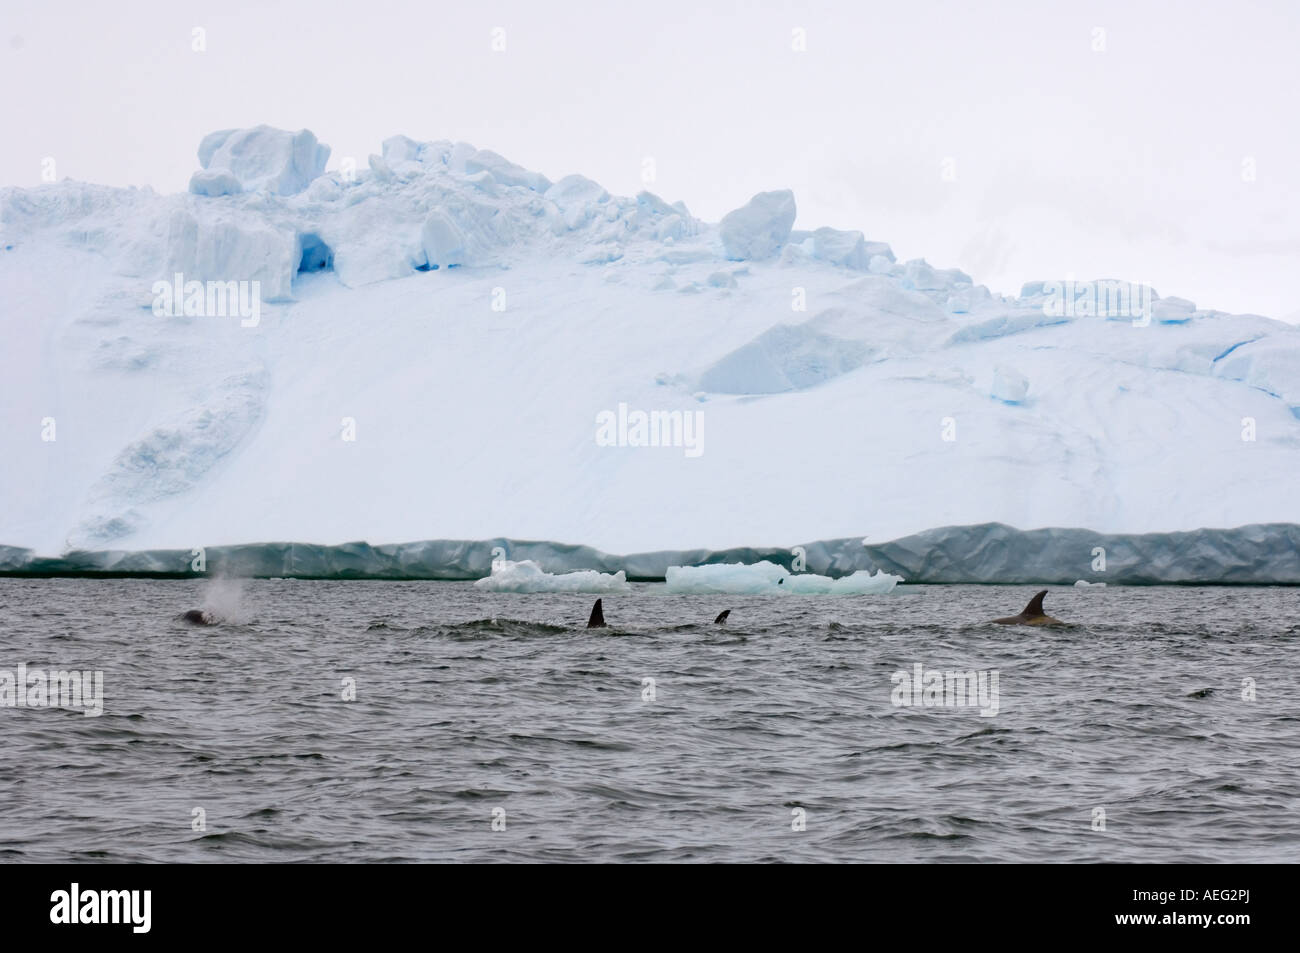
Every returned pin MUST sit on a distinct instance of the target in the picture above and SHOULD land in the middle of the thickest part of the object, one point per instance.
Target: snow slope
(467, 321)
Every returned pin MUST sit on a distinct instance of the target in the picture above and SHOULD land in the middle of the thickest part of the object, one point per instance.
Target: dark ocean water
(471, 704)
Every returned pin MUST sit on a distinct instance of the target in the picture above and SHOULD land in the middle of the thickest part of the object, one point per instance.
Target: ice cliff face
(435, 335)
(989, 553)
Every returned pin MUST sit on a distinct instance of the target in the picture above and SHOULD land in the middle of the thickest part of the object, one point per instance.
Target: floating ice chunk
(734, 578)
(860, 583)
(1009, 385)
(265, 159)
(759, 228)
(1085, 584)
(767, 578)
(528, 576)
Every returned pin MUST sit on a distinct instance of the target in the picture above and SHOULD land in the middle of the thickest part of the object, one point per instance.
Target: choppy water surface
(471, 704)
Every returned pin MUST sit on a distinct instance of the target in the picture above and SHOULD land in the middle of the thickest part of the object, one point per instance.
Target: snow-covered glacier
(436, 335)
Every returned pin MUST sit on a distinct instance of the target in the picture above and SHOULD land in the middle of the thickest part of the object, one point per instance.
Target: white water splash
(223, 596)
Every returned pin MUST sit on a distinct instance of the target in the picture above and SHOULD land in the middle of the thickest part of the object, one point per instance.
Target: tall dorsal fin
(1035, 607)
(722, 617)
(597, 620)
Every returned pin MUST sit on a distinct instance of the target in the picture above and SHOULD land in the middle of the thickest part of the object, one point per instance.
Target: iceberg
(470, 320)
(527, 576)
(768, 579)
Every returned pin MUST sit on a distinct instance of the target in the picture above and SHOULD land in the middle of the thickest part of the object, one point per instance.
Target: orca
(200, 617)
(1033, 614)
(596, 621)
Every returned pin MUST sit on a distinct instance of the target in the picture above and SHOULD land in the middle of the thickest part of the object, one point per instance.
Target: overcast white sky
(1065, 160)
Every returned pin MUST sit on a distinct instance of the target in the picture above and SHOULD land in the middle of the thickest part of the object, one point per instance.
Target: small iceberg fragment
(767, 578)
(528, 576)
(1085, 584)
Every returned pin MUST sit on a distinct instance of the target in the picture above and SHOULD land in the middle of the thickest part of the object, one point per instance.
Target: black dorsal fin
(722, 617)
(597, 620)
(1035, 607)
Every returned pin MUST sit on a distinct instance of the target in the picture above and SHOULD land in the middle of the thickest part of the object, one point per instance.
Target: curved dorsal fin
(597, 620)
(1035, 607)
(722, 617)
